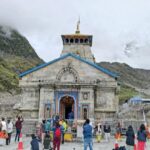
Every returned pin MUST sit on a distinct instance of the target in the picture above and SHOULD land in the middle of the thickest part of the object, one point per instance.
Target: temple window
(71, 40)
(85, 95)
(67, 40)
(81, 40)
(85, 113)
(47, 111)
(86, 41)
(76, 40)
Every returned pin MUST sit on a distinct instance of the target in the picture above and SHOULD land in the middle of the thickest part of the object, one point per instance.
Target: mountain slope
(132, 81)
(16, 56)
(138, 78)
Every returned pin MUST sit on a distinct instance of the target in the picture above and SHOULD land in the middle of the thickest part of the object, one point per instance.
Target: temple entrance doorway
(67, 107)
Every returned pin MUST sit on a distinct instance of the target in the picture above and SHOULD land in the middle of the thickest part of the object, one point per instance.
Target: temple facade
(71, 83)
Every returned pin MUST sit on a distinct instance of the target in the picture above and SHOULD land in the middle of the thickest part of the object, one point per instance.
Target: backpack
(57, 133)
(141, 136)
(46, 142)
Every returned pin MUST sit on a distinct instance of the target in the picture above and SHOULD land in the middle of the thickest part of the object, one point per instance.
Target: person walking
(34, 143)
(18, 126)
(107, 131)
(47, 127)
(3, 132)
(3, 137)
(64, 125)
(141, 137)
(118, 132)
(57, 117)
(3, 125)
(99, 132)
(43, 130)
(130, 136)
(56, 136)
(9, 131)
(87, 134)
(47, 142)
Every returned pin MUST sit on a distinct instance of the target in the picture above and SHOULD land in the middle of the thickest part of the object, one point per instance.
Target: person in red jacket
(57, 136)
(18, 126)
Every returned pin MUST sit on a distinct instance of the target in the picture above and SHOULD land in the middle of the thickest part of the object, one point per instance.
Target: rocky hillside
(132, 81)
(16, 55)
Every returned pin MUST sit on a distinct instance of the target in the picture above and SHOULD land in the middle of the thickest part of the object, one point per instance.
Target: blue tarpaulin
(135, 100)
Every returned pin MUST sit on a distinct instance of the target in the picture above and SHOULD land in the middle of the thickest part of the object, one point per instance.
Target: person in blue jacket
(47, 127)
(34, 143)
(87, 134)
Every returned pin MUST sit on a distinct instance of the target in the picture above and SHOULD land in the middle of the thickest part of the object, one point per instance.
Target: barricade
(20, 144)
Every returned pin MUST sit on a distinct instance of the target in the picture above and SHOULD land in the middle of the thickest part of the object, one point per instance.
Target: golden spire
(78, 27)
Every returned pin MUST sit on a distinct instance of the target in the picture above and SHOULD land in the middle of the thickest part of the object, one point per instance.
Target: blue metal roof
(114, 75)
(135, 99)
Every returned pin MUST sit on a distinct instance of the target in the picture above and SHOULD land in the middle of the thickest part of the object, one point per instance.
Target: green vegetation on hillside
(131, 79)
(16, 56)
(8, 78)
(126, 93)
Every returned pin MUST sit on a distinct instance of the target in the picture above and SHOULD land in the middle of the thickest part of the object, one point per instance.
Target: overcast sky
(120, 28)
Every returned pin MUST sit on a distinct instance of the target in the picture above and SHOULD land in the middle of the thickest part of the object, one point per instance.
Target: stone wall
(84, 51)
(7, 103)
(49, 73)
(105, 116)
(105, 99)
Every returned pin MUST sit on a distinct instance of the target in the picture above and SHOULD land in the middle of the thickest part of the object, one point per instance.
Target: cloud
(113, 25)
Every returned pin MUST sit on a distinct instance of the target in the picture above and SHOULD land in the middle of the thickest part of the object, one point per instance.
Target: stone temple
(72, 82)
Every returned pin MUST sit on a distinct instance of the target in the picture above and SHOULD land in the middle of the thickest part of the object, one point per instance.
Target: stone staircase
(29, 127)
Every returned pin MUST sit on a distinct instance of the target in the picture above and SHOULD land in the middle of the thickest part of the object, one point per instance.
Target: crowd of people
(60, 127)
(51, 133)
(142, 135)
(51, 130)
(6, 130)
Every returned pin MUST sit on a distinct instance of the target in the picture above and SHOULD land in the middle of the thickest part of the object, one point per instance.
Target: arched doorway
(66, 106)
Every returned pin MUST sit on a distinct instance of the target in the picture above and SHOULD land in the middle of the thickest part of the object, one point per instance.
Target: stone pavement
(68, 145)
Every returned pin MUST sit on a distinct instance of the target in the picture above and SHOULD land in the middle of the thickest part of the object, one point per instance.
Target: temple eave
(76, 35)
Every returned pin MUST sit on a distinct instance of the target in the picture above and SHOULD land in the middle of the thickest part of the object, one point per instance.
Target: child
(99, 133)
(3, 137)
(34, 143)
(46, 143)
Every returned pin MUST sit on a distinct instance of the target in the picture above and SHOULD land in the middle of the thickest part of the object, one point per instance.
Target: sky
(120, 28)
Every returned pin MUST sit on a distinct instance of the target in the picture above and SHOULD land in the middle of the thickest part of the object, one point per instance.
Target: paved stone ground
(68, 146)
